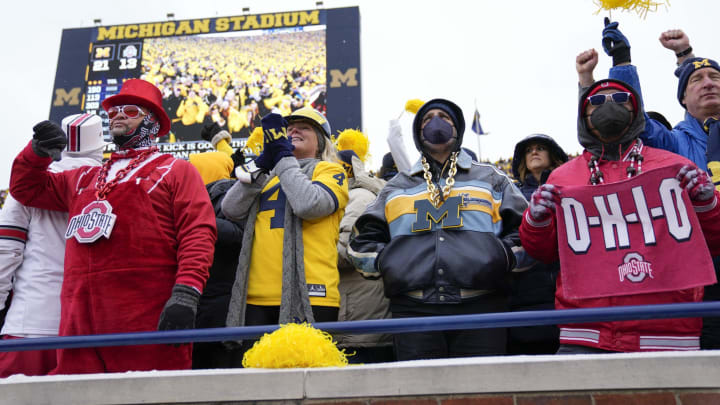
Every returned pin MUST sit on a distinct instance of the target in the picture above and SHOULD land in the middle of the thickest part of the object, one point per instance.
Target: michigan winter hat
(687, 68)
(450, 108)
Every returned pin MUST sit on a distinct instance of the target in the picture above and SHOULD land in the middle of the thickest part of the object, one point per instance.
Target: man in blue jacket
(698, 92)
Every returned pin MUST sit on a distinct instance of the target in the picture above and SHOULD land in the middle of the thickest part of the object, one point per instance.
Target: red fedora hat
(143, 93)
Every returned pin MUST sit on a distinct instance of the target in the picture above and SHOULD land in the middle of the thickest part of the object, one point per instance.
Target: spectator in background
(360, 298)
(388, 170)
(214, 165)
(292, 209)
(213, 306)
(699, 93)
(534, 159)
(215, 168)
(656, 116)
(441, 247)
(32, 251)
(144, 263)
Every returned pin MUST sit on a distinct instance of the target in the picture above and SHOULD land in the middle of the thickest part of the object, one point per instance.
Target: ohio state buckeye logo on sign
(94, 221)
(634, 268)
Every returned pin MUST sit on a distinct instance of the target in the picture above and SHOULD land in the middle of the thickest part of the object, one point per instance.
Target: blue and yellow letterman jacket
(445, 255)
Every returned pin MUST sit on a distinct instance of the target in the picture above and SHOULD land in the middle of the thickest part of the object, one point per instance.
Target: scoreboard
(230, 70)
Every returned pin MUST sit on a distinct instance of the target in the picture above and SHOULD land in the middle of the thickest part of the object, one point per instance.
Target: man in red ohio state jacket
(610, 120)
(140, 237)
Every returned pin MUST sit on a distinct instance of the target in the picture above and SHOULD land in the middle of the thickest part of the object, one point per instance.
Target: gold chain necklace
(434, 191)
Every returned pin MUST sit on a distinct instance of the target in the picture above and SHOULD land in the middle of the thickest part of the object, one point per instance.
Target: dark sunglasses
(619, 98)
(130, 111)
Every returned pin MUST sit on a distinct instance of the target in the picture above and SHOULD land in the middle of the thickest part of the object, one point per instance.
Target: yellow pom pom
(295, 346)
(641, 7)
(353, 139)
(254, 142)
(413, 105)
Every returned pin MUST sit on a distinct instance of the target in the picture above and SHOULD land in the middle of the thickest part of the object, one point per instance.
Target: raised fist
(675, 40)
(276, 144)
(585, 64)
(49, 140)
(274, 127)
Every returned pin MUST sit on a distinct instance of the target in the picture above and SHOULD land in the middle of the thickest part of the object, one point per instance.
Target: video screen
(235, 79)
(229, 70)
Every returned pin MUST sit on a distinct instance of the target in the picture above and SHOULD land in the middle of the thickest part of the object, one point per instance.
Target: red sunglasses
(130, 111)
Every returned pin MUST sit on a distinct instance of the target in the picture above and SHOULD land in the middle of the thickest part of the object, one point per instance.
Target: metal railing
(421, 324)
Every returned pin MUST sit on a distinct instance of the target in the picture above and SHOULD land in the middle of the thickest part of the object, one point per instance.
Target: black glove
(49, 140)
(238, 158)
(615, 43)
(180, 309)
(210, 130)
(276, 144)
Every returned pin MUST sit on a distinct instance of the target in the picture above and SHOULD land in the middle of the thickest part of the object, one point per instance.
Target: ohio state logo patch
(634, 268)
(94, 221)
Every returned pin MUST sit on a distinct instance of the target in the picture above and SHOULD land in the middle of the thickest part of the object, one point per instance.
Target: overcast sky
(515, 59)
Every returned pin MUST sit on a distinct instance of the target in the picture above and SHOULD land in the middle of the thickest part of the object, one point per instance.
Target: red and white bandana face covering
(142, 136)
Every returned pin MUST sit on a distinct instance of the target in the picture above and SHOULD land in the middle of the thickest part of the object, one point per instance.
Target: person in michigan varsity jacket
(140, 237)
(442, 236)
(610, 121)
(32, 247)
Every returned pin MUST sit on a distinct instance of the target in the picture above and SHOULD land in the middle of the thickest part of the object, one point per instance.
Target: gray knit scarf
(295, 302)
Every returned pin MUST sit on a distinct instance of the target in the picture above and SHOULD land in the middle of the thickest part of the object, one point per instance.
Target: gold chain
(434, 191)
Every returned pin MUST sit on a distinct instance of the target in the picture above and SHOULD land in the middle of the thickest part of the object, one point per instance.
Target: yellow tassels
(295, 346)
(412, 106)
(254, 142)
(355, 140)
(641, 7)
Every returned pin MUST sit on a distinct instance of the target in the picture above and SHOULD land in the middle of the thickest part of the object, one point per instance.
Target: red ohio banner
(636, 236)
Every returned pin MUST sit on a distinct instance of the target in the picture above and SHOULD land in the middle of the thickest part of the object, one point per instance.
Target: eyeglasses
(130, 111)
(619, 98)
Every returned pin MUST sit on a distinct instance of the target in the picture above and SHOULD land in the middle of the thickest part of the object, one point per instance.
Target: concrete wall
(673, 378)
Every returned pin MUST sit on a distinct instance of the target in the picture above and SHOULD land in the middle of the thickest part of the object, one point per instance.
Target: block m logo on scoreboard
(349, 78)
(63, 97)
